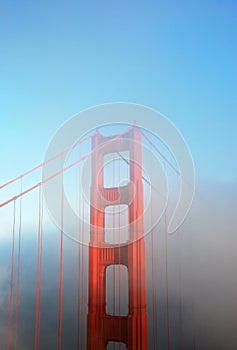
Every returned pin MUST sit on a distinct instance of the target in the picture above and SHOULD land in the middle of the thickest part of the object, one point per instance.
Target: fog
(202, 282)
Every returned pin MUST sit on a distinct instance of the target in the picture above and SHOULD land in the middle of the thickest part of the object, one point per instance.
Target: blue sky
(58, 57)
(176, 56)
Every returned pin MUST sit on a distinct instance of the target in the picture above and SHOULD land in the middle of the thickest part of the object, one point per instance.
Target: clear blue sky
(59, 57)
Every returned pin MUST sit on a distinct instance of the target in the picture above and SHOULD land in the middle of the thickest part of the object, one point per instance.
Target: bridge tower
(102, 327)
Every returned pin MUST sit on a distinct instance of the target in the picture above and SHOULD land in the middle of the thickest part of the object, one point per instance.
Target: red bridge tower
(102, 327)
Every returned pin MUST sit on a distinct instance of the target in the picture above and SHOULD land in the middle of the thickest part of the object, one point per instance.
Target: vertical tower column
(101, 327)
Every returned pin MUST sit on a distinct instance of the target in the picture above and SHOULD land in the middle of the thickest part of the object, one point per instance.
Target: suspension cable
(58, 172)
(45, 163)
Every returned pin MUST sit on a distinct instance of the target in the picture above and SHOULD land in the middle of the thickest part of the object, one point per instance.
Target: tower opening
(117, 290)
(116, 224)
(116, 169)
(114, 345)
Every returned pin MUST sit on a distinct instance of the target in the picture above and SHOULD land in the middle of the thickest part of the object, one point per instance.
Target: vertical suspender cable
(113, 240)
(167, 279)
(61, 270)
(113, 301)
(95, 222)
(40, 261)
(78, 300)
(79, 269)
(180, 296)
(119, 269)
(83, 278)
(153, 293)
(79, 333)
(37, 287)
(18, 270)
(192, 291)
(39, 273)
(12, 275)
(167, 284)
(154, 313)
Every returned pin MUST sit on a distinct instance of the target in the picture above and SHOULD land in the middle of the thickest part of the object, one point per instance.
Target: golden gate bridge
(104, 329)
